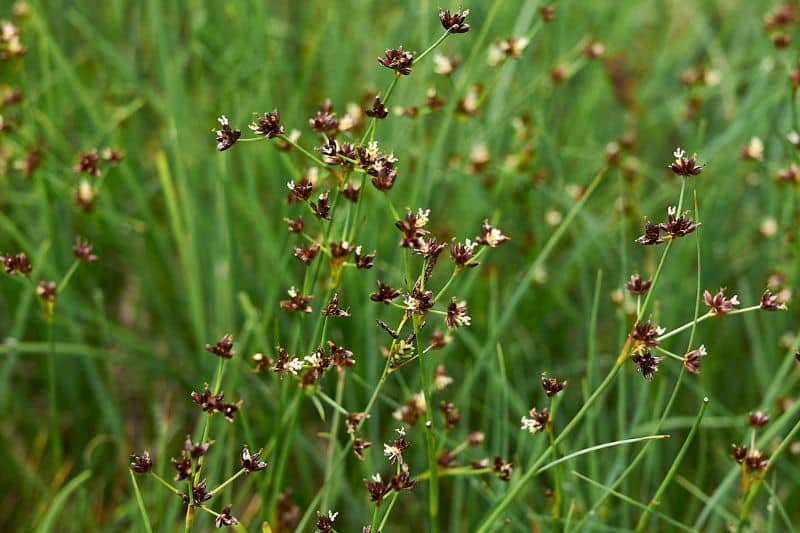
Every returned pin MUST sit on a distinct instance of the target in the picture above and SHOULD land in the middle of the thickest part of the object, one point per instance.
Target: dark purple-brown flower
(739, 453)
(82, 251)
(196, 449)
(462, 254)
(183, 467)
(322, 208)
(457, 314)
(341, 357)
(295, 225)
(536, 421)
(502, 468)
(141, 464)
(454, 22)
(251, 461)
(685, 166)
(384, 294)
(652, 234)
(378, 110)
(402, 480)
(418, 301)
(490, 236)
(755, 461)
(637, 285)
(225, 518)
(16, 264)
(350, 191)
(268, 124)
(332, 309)
(199, 493)
(757, 419)
(223, 348)
(647, 333)
(377, 489)
(306, 254)
(394, 451)
(46, 291)
(451, 414)
(300, 191)
(364, 261)
(677, 226)
(646, 363)
(325, 521)
(88, 162)
(691, 360)
(552, 386)
(398, 60)
(226, 136)
(296, 302)
(770, 302)
(359, 445)
(719, 304)
(413, 227)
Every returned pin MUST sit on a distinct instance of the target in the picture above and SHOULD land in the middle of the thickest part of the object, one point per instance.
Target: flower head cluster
(454, 22)
(398, 60)
(718, 303)
(685, 166)
(226, 136)
(536, 421)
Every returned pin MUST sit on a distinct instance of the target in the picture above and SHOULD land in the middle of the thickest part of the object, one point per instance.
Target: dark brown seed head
(141, 464)
(647, 333)
(112, 155)
(199, 493)
(552, 386)
(353, 420)
(325, 521)
(82, 251)
(364, 261)
(321, 207)
(677, 226)
(350, 191)
(646, 363)
(332, 309)
(757, 419)
(16, 264)
(183, 467)
(296, 302)
(226, 136)
(196, 449)
(547, 12)
(384, 294)
(402, 480)
(359, 445)
(296, 225)
(340, 356)
(451, 414)
(46, 291)
(718, 303)
(637, 285)
(790, 175)
(502, 468)
(691, 360)
(306, 254)
(300, 191)
(224, 518)
(490, 236)
(652, 234)
(251, 461)
(462, 254)
(398, 60)
(770, 302)
(418, 301)
(378, 110)
(268, 124)
(536, 421)
(755, 461)
(206, 400)
(88, 162)
(223, 348)
(454, 22)
(457, 314)
(685, 166)
(377, 489)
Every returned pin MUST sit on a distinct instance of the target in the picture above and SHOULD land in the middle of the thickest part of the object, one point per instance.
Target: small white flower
(295, 365)
(678, 153)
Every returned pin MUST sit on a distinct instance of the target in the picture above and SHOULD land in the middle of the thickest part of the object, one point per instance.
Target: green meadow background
(192, 245)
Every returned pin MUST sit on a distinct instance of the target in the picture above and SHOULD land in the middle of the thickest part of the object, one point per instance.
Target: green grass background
(193, 245)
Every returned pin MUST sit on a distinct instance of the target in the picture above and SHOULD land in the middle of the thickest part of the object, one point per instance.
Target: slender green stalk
(228, 481)
(431, 48)
(140, 503)
(557, 496)
(642, 524)
(633, 502)
(332, 433)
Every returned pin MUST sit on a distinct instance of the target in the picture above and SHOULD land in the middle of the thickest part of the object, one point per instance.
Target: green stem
(642, 524)
(433, 466)
(140, 502)
(228, 481)
(305, 152)
(167, 484)
(332, 433)
(65, 280)
(556, 510)
(431, 48)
